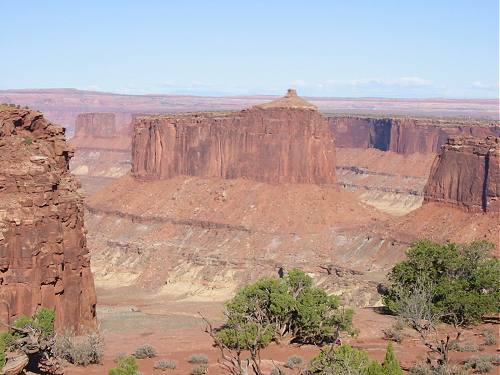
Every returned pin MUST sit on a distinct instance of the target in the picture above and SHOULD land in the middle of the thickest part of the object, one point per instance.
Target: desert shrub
(482, 363)
(391, 365)
(165, 364)
(469, 347)
(23, 321)
(272, 308)
(346, 360)
(278, 371)
(294, 362)
(340, 360)
(424, 368)
(200, 370)
(463, 280)
(81, 351)
(457, 346)
(395, 332)
(28, 140)
(126, 366)
(8, 338)
(145, 351)
(198, 358)
(490, 336)
(43, 320)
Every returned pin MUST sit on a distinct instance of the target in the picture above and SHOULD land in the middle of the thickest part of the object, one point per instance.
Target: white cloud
(484, 86)
(409, 81)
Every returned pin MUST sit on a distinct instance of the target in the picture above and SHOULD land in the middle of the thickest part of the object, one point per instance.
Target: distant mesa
(103, 130)
(466, 174)
(406, 135)
(284, 141)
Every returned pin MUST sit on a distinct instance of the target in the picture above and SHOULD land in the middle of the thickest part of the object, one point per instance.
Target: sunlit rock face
(44, 260)
(285, 141)
(467, 174)
(405, 135)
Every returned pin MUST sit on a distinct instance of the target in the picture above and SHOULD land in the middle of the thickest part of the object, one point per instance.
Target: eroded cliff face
(43, 256)
(467, 174)
(405, 135)
(270, 144)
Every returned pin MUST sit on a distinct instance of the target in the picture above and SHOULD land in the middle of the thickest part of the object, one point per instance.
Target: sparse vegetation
(126, 366)
(294, 362)
(276, 309)
(490, 336)
(28, 140)
(286, 307)
(34, 337)
(145, 351)
(346, 360)
(452, 283)
(468, 347)
(483, 363)
(165, 364)
(9, 105)
(424, 368)
(198, 358)
(81, 351)
(200, 370)
(42, 320)
(395, 332)
(461, 282)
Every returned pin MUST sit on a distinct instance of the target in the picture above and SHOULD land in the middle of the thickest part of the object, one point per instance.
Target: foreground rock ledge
(44, 260)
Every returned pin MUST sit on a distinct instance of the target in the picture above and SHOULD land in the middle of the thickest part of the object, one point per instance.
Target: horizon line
(14, 90)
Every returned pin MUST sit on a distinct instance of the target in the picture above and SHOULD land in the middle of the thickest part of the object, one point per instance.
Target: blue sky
(391, 48)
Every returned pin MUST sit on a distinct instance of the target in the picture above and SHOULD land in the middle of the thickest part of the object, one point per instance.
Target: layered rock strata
(405, 135)
(44, 260)
(285, 141)
(467, 174)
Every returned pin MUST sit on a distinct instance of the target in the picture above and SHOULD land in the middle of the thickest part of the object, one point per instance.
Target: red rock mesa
(286, 140)
(43, 256)
(467, 174)
(405, 135)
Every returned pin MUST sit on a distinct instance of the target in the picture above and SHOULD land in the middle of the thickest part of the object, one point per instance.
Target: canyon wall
(43, 255)
(102, 148)
(405, 135)
(274, 143)
(467, 174)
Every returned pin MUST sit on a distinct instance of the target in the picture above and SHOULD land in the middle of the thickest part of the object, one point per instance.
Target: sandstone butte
(467, 174)
(44, 260)
(284, 141)
(406, 135)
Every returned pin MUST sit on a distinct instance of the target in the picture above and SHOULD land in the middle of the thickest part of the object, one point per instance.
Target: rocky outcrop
(467, 174)
(405, 135)
(43, 256)
(287, 140)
